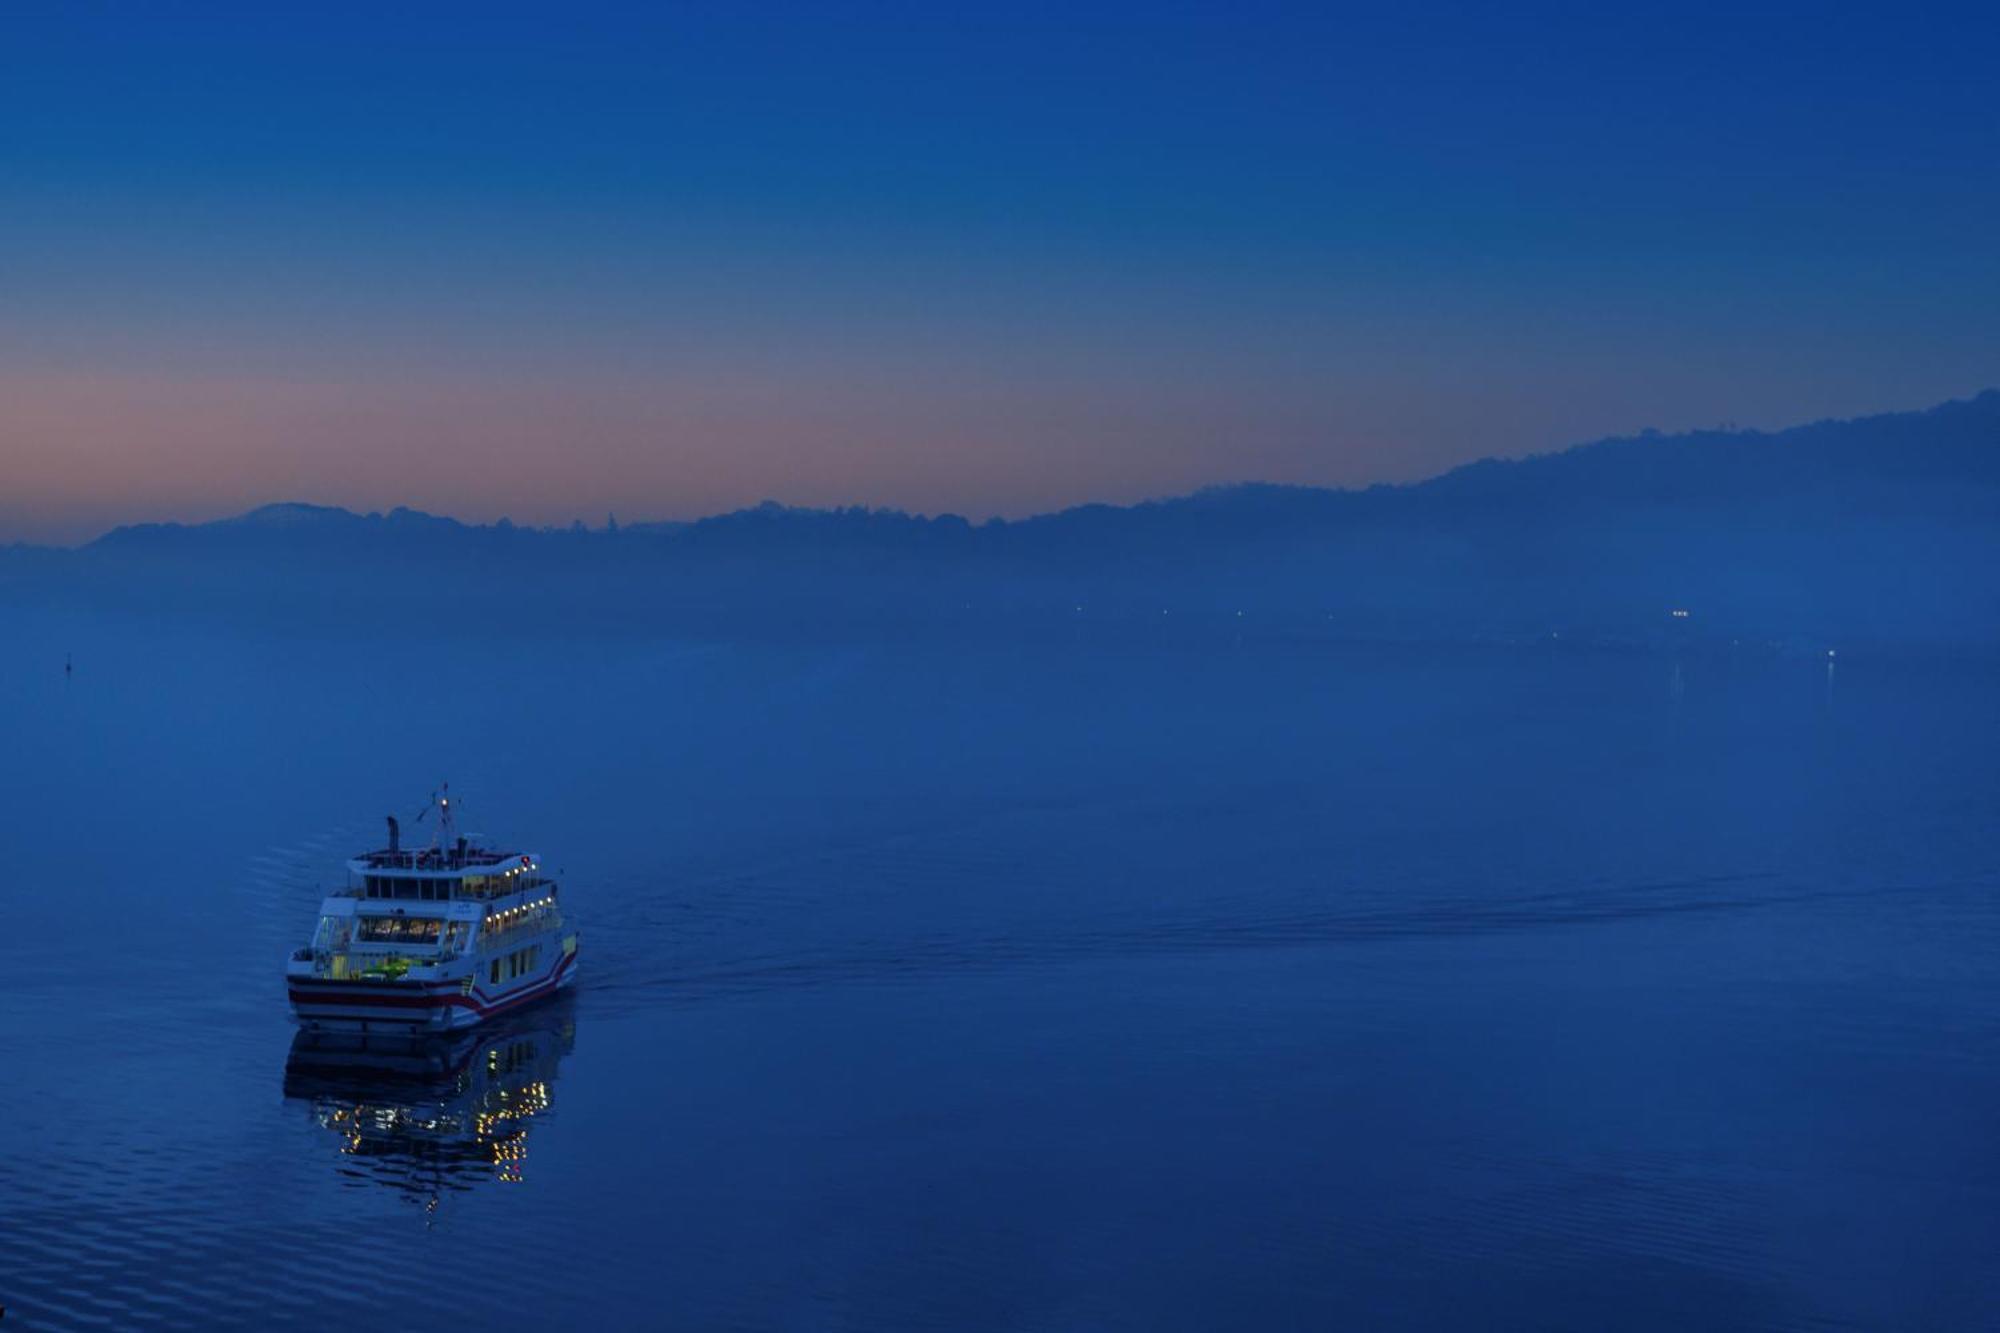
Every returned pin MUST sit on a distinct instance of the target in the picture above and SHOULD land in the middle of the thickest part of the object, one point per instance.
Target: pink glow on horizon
(83, 452)
(86, 452)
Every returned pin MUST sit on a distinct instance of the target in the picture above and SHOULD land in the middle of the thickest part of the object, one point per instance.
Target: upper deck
(434, 873)
(451, 867)
(454, 861)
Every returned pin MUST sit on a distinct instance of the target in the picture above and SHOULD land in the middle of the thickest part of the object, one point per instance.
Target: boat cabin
(404, 910)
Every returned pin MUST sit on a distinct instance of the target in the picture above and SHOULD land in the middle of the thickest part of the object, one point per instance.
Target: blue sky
(666, 260)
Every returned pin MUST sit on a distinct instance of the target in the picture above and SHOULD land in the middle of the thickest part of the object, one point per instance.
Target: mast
(444, 835)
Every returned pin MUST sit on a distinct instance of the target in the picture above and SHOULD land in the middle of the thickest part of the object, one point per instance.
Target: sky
(555, 262)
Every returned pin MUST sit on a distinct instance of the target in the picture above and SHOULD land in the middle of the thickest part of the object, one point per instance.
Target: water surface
(1081, 986)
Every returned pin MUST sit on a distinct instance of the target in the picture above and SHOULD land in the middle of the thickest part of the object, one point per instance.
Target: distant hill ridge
(1880, 530)
(1954, 445)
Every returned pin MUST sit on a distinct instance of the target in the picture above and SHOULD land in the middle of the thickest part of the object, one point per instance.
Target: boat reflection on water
(432, 1114)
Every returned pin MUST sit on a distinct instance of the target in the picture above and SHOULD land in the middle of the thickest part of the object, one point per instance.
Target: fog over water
(1086, 983)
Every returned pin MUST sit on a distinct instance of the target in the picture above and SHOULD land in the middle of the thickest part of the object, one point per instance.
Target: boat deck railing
(435, 858)
(498, 938)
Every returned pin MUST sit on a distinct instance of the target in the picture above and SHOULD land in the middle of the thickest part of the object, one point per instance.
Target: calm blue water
(1064, 988)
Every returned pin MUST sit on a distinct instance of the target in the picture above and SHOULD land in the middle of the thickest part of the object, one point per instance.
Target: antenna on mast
(447, 826)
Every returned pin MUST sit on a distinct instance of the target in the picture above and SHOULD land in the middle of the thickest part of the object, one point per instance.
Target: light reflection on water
(430, 1115)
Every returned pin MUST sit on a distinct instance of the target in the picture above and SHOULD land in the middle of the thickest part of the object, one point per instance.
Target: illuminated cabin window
(400, 929)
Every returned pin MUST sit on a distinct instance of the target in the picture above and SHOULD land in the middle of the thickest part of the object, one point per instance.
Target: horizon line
(1647, 435)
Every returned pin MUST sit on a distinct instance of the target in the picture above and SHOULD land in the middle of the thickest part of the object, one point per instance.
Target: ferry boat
(432, 939)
